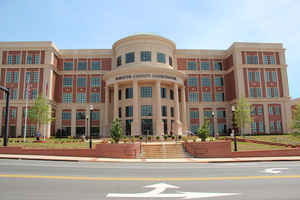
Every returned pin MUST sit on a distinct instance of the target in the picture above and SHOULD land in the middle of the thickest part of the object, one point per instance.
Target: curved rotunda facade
(150, 85)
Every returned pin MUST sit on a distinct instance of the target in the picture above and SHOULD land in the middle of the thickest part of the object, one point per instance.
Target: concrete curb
(181, 160)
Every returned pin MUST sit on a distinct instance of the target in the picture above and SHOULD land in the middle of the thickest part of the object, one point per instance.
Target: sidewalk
(180, 160)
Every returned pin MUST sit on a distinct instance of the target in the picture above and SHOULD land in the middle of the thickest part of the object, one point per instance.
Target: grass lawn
(284, 139)
(50, 144)
(248, 146)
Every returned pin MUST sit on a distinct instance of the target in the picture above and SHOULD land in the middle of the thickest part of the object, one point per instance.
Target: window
(270, 110)
(252, 92)
(129, 93)
(272, 126)
(258, 92)
(221, 114)
(95, 82)
(96, 115)
(269, 60)
(29, 60)
(261, 126)
(277, 110)
(82, 65)
(146, 91)
(67, 98)
(129, 57)
(18, 59)
(274, 76)
(260, 110)
(161, 57)
(37, 60)
(16, 77)
(170, 61)
(14, 94)
(253, 127)
(219, 96)
(129, 111)
(81, 82)
(81, 98)
(250, 76)
(80, 115)
(171, 94)
(194, 114)
(205, 82)
(145, 56)
(268, 76)
(34, 94)
(10, 60)
(172, 111)
(35, 77)
(95, 97)
(204, 65)
(119, 61)
(221, 128)
(206, 97)
(219, 81)
(278, 123)
(96, 65)
(13, 113)
(8, 77)
(68, 82)
(146, 110)
(193, 97)
(164, 111)
(275, 92)
(253, 110)
(269, 92)
(218, 66)
(66, 115)
(68, 66)
(163, 92)
(120, 112)
(193, 81)
(207, 114)
(192, 65)
(194, 128)
(257, 76)
(27, 77)
(120, 94)
(252, 59)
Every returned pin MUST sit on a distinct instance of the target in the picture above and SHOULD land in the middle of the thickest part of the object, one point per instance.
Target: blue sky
(191, 24)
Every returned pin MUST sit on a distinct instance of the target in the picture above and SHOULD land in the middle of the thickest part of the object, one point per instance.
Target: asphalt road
(38, 180)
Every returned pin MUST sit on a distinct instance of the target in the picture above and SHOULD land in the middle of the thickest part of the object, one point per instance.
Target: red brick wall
(208, 149)
(228, 62)
(42, 57)
(4, 57)
(246, 82)
(3, 73)
(230, 93)
(41, 81)
(280, 84)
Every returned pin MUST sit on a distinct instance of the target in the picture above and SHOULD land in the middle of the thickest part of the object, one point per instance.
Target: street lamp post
(233, 129)
(91, 112)
(213, 116)
(5, 134)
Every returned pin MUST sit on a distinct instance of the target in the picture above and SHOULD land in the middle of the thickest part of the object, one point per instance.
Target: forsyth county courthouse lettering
(146, 82)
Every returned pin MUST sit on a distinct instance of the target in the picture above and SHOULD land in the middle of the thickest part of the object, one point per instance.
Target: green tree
(296, 119)
(203, 131)
(242, 114)
(40, 112)
(116, 130)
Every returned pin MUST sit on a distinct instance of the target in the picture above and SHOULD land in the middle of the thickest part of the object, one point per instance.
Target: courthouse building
(146, 82)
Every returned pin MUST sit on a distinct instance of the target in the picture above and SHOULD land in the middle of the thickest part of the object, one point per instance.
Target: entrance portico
(153, 106)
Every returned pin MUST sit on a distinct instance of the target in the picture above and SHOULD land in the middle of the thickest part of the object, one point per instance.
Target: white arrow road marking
(274, 170)
(161, 187)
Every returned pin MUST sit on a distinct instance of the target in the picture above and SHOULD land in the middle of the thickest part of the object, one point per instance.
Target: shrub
(158, 138)
(185, 139)
(149, 137)
(203, 131)
(179, 137)
(173, 137)
(132, 139)
(194, 138)
(166, 137)
(116, 130)
(125, 139)
(141, 138)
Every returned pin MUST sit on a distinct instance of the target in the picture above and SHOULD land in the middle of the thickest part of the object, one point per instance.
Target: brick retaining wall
(101, 150)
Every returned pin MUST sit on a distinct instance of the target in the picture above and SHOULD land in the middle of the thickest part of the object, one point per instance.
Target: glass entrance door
(128, 127)
(147, 127)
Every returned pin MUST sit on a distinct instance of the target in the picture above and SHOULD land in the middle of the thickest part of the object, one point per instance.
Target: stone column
(116, 99)
(178, 124)
(266, 118)
(135, 122)
(183, 106)
(19, 121)
(106, 109)
(73, 122)
(158, 109)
